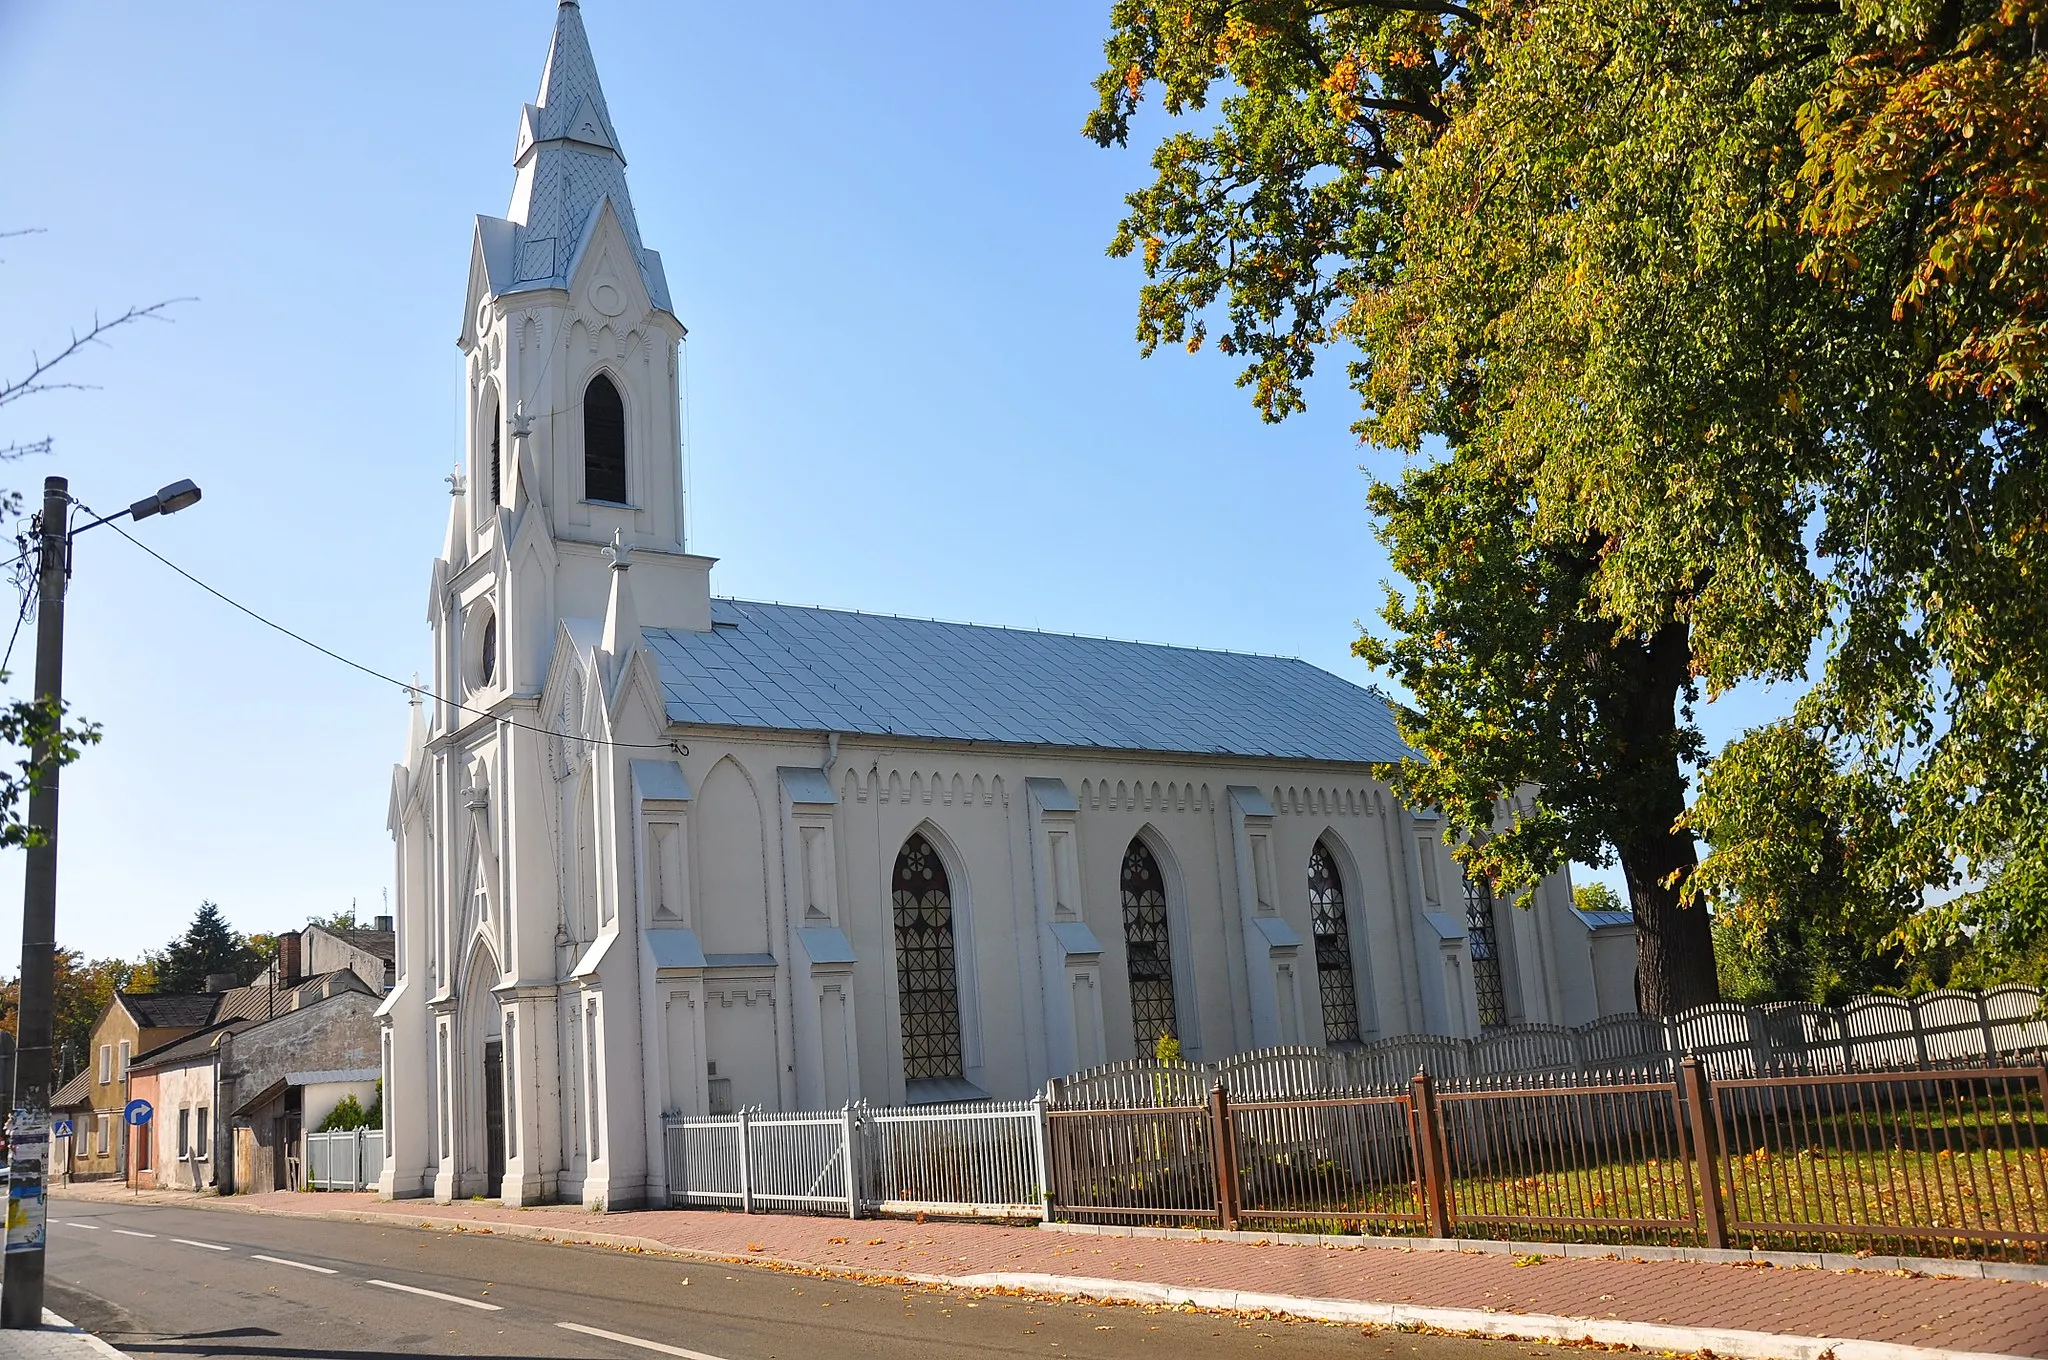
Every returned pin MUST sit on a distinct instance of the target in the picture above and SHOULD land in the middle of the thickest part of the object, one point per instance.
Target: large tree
(208, 947)
(1661, 444)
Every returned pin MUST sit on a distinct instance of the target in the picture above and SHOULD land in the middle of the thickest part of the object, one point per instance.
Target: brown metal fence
(1912, 1160)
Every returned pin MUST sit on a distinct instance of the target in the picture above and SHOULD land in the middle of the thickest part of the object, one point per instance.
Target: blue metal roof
(792, 668)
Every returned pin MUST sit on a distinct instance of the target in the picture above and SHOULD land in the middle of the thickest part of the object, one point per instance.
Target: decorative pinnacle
(620, 553)
(454, 480)
(522, 423)
(412, 691)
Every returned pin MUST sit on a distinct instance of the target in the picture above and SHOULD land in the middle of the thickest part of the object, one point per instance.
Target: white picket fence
(1730, 1041)
(344, 1160)
(984, 1160)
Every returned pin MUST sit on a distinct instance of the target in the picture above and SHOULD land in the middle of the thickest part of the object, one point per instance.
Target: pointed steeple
(569, 164)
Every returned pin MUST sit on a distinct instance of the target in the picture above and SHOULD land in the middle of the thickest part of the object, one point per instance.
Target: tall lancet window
(927, 982)
(1147, 949)
(604, 442)
(1485, 944)
(497, 476)
(1333, 948)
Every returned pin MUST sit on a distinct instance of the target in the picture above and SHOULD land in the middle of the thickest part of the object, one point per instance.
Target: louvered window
(927, 982)
(497, 479)
(1333, 948)
(1147, 949)
(604, 442)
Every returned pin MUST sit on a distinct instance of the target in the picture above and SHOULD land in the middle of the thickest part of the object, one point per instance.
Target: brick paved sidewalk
(1983, 1316)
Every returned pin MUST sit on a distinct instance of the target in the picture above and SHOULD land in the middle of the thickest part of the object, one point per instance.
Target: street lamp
(21, 1282)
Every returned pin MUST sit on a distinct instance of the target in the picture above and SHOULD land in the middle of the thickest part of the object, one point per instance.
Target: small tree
(349, 1115)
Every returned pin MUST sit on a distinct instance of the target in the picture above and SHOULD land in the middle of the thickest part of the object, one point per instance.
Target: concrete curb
(1938, 1267)
(51, 1320)
(1725, 1342)
(1469, 1321)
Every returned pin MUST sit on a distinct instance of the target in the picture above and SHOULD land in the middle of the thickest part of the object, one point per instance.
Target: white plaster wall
(184, 1088)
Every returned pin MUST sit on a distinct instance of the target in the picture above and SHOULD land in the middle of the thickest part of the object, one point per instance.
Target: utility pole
(21, 1287)
(21, 1280)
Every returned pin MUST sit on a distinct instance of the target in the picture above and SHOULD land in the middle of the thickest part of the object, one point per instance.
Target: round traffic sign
(137, 1113)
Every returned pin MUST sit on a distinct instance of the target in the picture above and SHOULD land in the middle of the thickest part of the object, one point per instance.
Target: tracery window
(1333, 948)
(1147, 948)
(1485, 945)
(604, 442)
(927, 982)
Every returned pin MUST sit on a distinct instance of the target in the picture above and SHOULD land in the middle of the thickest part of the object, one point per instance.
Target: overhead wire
(410, 687)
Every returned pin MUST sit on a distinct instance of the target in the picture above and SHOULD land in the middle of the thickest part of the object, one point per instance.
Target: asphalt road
(160, 1280)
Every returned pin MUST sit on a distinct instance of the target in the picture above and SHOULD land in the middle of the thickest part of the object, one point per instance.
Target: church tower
(513, 808)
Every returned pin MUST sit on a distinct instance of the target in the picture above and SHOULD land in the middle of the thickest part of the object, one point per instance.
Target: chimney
(383, 923)
(288, 959)
(222, 982)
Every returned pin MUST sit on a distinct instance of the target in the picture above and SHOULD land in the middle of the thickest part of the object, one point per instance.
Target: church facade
(660, 852)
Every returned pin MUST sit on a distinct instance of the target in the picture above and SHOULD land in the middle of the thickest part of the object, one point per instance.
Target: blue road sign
(61, 1129)
(137, 1113)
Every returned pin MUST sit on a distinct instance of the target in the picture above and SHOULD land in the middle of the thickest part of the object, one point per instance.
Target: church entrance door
(494, 1117)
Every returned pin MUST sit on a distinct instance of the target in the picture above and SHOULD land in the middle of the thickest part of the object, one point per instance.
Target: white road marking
(210, 1246)
(298, 1265)
(130, 1232)
(625, 1340)
(89, 1227)
(437, 1294)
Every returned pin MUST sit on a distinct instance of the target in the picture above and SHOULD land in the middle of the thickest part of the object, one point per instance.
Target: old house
(227, 1107)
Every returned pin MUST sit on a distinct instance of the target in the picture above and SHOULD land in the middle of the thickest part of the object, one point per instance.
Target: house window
(103, 1127)
(927, 983)
(106, 1063)
(1333, 948)
(121, 1068)
(200, 1141)
(1147, 949)
(184, 1135)
(604, 442)
(1485, 943)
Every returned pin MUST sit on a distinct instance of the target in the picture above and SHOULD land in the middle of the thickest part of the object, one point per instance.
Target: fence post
(852, 1175)
(1984, 1023)
(1706, 1152)
(746, 1170)
(1429, 1151)
(1223, 1148)
(1043, 1163)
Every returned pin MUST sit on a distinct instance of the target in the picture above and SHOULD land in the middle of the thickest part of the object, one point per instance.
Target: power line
(409, 687)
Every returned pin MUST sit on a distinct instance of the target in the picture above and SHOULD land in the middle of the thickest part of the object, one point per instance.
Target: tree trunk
(1674, 944)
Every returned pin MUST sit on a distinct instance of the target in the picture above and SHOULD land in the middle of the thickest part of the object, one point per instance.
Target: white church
(660, 851)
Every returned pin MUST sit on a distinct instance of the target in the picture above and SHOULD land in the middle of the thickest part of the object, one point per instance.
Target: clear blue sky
(912, 383)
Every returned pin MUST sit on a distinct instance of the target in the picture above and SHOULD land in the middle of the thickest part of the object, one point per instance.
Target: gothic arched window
(497, 479)
(1333, 948)
(1147, 949)
(1485, 944)
(927, 984)
(604, 442)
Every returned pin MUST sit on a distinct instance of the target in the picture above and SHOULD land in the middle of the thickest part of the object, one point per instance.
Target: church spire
(568, 165)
